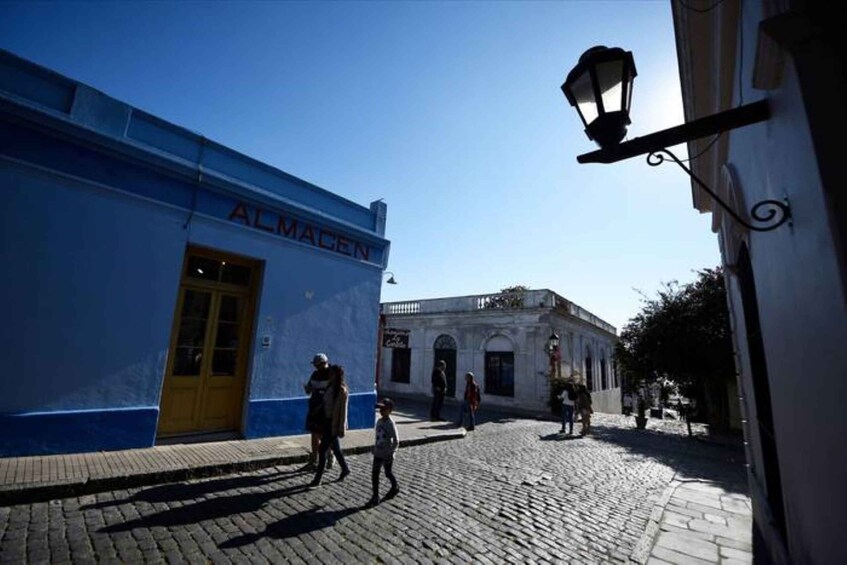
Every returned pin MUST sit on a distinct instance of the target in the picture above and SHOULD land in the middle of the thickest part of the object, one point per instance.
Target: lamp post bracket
(703, 127)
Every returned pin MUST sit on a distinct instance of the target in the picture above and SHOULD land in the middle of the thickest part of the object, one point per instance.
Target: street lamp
(553, 354)
(552, 342)
(390, 278)
(600, 87)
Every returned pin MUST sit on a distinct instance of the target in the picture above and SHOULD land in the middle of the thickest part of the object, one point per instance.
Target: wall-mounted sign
(395, 338)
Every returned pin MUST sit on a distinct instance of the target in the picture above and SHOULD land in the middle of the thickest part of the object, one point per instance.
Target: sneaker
(314, 484)
(391, 493)
(372, 502)
(343, 475)
(471, 429)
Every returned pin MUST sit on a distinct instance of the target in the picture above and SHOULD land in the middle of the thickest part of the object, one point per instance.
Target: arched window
(444, 341)
(499, 367)
(589, 370)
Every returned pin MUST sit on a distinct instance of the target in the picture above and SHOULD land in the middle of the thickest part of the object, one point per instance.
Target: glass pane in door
(191, 336)
(225, 356)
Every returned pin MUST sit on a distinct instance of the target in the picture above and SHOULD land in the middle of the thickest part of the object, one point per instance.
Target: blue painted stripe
(287, 416)
(41, 433)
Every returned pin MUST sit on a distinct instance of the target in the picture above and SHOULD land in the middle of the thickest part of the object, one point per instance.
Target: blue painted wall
(100, 202)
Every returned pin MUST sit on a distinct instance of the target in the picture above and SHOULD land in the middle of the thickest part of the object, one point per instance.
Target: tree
(683, 336)
(509, 297)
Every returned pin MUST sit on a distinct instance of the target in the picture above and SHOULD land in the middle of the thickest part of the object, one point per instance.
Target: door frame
(246, 333)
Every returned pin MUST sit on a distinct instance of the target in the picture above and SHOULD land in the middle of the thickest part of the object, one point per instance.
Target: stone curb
(641, 551)
(42, 492)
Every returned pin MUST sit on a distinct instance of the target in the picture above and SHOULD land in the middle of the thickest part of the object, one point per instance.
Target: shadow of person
(559, 436)
(207, 509)
(172, 492)
(293, 526)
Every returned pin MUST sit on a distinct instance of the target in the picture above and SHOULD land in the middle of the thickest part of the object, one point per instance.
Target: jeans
(379, 462)
(567, 417)
(466, 408)
(330, 442)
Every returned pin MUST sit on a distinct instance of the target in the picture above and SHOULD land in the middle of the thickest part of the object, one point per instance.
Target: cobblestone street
(513, 490)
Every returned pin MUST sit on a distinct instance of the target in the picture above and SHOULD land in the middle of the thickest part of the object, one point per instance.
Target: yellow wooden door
(204, 384)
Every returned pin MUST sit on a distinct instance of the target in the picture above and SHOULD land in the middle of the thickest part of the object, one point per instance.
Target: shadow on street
(293, 526)
(691, 457)
(186, 491)
(207, 509)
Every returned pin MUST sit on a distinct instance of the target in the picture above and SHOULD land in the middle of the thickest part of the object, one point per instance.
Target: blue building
(156, 283)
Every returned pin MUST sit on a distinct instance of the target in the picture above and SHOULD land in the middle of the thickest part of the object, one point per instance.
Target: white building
(502, 339)
(787, 287)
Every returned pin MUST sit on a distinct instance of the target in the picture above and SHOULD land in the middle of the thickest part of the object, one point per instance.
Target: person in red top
(470, 402)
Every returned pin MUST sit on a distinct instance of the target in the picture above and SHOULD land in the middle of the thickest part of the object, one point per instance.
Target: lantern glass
(610, 83)
(630, 76)
(583, 92)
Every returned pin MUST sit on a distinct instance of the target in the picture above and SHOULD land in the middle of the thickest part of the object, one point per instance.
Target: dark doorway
(445, 350)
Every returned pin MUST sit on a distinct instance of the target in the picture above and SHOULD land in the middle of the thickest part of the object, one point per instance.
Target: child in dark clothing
(385, 446)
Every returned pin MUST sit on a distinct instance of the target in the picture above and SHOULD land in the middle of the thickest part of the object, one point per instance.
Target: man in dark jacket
(439, 387)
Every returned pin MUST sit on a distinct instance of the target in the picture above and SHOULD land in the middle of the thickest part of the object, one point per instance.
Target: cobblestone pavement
(513, 490)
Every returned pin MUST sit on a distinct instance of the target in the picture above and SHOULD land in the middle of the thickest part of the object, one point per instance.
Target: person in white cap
(315, 387)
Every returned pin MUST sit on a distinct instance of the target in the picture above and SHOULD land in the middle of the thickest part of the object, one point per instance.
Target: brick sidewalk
(698, 523)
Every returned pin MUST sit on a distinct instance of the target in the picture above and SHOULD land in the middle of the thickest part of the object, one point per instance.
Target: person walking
(315, 387)
(583, 404)
(385, 446)
(568, 397)
(334, 424)
(439, 387)
(470, 401)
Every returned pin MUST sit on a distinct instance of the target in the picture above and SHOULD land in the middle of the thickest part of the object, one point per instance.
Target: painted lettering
(296, 229)
(307, 234)
(342, 245)
(287, 230)
(240, 212)
(362, 251)
(321, 234)
(257, 223)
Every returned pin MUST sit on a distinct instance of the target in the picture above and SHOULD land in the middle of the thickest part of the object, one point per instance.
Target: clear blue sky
(451, 112)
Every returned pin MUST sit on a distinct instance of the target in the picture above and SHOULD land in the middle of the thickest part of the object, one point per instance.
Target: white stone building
(502, 339)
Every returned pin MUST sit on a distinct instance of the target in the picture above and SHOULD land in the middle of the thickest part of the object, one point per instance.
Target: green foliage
(509, 297)
(682, 336)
